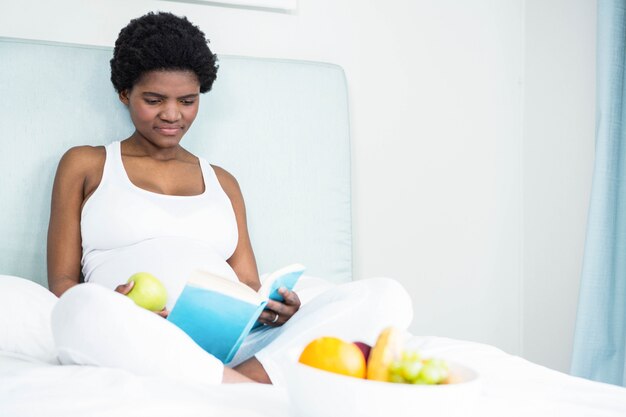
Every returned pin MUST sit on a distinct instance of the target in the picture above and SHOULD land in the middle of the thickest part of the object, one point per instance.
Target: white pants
(93, 325)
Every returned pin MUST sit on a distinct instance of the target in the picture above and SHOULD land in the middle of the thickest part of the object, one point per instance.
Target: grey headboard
(281, 127)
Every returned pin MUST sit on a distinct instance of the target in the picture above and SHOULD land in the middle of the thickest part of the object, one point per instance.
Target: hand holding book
(276, 312)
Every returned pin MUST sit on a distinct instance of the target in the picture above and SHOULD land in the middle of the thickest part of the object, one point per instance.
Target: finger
(273, 324)
(267, 316)
(277, 306)
(291, 298)
(163, 313)
(285, 312)
(270, 318)
(125, 288)
(276, 323)
(277, 320)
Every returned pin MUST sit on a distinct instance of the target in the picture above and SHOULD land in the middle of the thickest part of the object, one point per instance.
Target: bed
(282, 128)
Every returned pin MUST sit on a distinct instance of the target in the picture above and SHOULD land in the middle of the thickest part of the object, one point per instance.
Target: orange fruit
(334, 355)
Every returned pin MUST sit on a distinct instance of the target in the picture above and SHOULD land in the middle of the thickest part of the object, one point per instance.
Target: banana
(387, 348)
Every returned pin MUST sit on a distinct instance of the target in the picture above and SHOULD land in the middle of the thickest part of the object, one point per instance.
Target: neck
(137, 145)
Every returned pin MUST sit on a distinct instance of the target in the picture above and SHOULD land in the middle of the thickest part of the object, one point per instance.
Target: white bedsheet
(37, 390)
(511, 387)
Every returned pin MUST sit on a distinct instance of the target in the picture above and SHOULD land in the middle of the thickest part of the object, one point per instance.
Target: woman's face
(163, 105)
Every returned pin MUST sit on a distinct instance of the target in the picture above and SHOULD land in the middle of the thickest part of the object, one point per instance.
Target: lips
(169, 130)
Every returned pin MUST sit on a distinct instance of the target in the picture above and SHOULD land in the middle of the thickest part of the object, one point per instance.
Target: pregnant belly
(172, 260)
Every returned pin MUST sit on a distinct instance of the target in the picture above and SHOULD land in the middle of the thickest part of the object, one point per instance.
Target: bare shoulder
(82, 158)
(81, 167)
(228, 182)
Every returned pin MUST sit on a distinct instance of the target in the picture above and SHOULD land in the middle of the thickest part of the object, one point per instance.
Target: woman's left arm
(243, 261)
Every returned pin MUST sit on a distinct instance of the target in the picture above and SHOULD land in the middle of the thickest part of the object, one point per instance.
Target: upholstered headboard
(281, 127)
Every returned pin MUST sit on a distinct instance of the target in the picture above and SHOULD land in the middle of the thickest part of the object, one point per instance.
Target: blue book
(219, 313)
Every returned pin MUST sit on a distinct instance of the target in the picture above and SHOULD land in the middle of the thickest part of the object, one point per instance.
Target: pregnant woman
(145, 203)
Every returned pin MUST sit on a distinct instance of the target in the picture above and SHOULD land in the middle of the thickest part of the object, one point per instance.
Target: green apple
(148, 292)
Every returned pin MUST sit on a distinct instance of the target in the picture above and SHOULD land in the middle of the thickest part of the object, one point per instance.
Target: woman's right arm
(73, 181)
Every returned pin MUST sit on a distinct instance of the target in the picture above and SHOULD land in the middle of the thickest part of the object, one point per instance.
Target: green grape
(420, 381)
(395, 371)
(410, 368)
(434, 371)
(411, 356)
(396, 367)
(398, 379)
(406, 368)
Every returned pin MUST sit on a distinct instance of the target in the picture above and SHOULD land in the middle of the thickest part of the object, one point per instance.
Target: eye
(152, 101)
(188, 102)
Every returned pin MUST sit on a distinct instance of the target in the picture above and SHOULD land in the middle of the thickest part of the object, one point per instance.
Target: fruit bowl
(317, 393)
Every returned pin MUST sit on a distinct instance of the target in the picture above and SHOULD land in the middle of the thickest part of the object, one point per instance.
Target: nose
(170, 112)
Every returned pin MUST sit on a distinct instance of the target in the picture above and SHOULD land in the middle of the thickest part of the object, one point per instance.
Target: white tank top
(126, 229)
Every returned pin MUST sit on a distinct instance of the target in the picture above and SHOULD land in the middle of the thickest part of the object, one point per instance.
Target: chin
(161, 141)
(168, 141)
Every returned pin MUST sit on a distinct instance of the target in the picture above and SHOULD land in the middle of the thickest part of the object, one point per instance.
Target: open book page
(235, 289)
(284, 277)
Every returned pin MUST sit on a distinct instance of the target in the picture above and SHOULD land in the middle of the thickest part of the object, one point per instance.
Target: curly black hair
(161, 41)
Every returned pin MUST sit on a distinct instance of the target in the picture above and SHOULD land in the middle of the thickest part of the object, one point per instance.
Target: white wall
(439, 148)
(559, 128)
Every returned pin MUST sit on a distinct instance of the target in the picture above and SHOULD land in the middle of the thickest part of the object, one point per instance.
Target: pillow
(25, 309)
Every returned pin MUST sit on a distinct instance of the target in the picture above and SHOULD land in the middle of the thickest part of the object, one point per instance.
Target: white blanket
(511, 387)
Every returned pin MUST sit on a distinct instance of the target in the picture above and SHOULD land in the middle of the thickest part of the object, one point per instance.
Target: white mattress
(511, 387)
